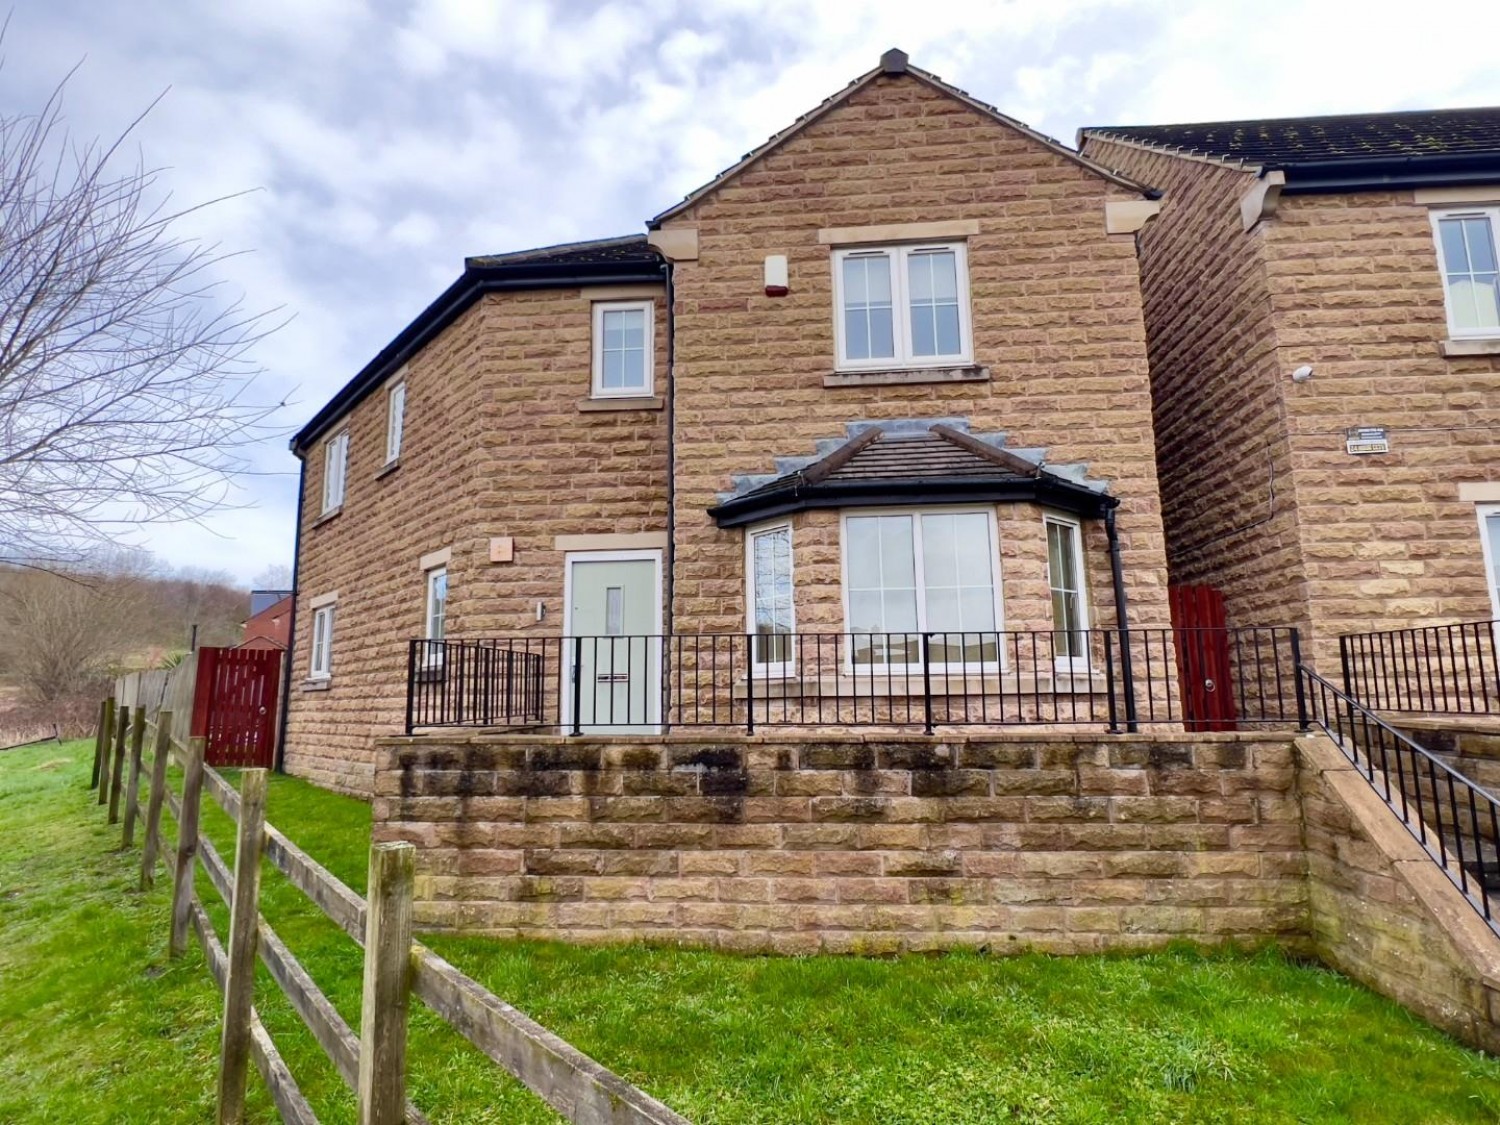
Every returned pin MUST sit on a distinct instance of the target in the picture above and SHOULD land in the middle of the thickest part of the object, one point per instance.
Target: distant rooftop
(1356, 137)
(261, 600)
(598, 251)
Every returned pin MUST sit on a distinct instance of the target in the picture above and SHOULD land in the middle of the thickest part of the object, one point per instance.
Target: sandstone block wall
(1053, 842)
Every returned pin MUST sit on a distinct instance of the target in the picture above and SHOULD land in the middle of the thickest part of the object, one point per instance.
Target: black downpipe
(291, 636)
(669, 565)
(1122, 620)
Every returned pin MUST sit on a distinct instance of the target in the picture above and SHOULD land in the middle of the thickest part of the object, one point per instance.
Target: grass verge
(98, 1026)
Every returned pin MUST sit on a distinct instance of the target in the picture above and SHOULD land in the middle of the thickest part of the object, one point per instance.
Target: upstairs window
(335, 465)
(1471, 269)
(395, 421)
(902, 306)
(622, 349)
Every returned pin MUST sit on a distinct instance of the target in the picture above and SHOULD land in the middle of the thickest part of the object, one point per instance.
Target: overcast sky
(381, 143)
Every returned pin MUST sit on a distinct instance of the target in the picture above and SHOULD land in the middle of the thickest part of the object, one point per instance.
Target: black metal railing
(1455, 821)
(1205, 678)
(1441, 669)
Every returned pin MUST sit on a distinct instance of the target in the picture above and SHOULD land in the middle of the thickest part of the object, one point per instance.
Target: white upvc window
(770, 613)
(335, 467)
(1466, 245)
(320, 666)
(1066, 579)
(931, 571)
(395, 421)
(1489, 542)
(902, 306)
(437, 604)
(623, 338)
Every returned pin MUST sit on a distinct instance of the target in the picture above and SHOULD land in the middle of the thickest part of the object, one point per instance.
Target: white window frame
(901, 307)
(980, 667)
(395, 420)
(1437, 216)
(427, 618)
(322, 621)
(1482, 512)
(335, 471)
(1081, 577)
(600, 308)
(770, 668)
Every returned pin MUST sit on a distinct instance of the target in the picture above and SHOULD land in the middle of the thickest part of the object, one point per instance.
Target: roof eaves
(1236, 163)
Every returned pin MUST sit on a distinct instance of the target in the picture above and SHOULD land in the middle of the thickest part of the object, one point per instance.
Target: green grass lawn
(97, 1026)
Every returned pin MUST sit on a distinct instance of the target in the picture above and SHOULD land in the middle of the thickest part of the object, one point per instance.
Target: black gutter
(291, 633)
(1308, 177)
(1122, 622)
(1051, 492)
(474, 282)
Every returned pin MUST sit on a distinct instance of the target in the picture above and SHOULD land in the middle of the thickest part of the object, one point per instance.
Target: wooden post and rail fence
(372, 1062)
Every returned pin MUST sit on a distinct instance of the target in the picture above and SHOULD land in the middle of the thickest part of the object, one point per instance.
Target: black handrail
(1438, 669)
(1456, 822)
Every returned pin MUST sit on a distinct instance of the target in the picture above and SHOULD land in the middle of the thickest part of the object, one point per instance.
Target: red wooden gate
(1201, 635)
(234, 705)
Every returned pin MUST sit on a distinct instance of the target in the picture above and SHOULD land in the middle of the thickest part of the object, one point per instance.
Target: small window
(321, 664)
(769, 568)
(437, 603)
(335, 463)
(1065, 577)
(622, 348)
(1489, 542)
(910, 573)
(1471, 269)
(395, 420)
(901, 306)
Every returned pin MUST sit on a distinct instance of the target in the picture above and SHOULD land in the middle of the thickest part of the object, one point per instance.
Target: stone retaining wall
(1064, 843)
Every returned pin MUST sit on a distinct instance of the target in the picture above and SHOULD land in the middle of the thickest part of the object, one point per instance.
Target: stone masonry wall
(1056, 319)
(1220, 424)
(495, 443)
(1049, 841)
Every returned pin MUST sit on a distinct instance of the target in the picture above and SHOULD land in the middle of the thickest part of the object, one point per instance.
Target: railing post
(1303, 723)
(160, 750)
(576, 686)
(101, 739)
(187, 847)
(411, 681)
(1109, 681)
(1345, 667)
(927, 682)
(749, 684)
(117, 768)
(133, 784)
(387, 984)
(239, 977)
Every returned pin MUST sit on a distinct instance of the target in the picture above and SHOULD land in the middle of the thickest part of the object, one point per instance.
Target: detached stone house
(886, 376)
(1323, 317)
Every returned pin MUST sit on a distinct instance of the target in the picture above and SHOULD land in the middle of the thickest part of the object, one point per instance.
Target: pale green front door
(615, 619)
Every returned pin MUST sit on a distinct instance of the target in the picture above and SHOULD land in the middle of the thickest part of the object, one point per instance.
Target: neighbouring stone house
(886, 376)
(1323, 320)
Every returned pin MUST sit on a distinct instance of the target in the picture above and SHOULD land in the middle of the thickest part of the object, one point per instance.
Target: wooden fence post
(160, 750)
(99, 742)
(107, 736)
(239, 978)
(133, 784)
(382, 1022)
(187, 847)
(117, 771)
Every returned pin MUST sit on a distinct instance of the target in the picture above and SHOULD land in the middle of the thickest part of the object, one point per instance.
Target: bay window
(908, 573)
(1065, 578)
(769, 566)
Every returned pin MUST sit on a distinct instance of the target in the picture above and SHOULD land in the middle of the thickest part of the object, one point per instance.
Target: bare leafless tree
(124, 374)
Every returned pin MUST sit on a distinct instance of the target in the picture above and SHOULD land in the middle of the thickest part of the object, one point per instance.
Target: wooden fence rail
(372, 1063)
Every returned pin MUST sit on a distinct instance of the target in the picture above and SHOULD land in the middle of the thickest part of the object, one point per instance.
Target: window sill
(1472, 346)
(907, 376)
(322, 684)
(636, 402)
(328, 515)
(389, 468)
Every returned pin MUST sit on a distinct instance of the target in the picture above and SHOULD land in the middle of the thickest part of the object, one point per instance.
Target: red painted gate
(1201, 635)
(234, 705)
